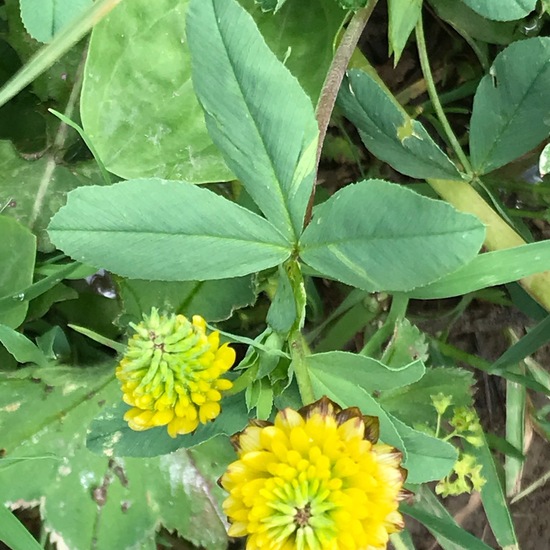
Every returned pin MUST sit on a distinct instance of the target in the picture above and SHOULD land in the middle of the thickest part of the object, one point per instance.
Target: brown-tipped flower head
(316, 479)
(171, 373)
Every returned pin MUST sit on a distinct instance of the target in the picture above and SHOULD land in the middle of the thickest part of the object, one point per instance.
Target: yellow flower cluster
(316, 479)
(170, 373)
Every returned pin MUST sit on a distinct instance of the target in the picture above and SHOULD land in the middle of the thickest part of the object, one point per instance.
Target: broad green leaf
(510, 112)
(428, 458)
(412, 404)
(263, 122)
(159, 130)
(365, 372)
(110, 435)
(544, 161)
(17, 255)
(141, 113)
(502, 10)
(21, 347)
(490, 269)
(300, 30)
(445, 527)
(388, 132)
(89, 500)
(36, 188)
(14, 534)
(403, 17)
(43, 19)
(213, 300)
(463, 18)
(375, 235)
(347, 394)
(493, 498)
(165, 230)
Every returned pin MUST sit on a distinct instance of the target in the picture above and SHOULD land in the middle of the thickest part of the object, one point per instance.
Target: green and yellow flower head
(316, 479)
(170, 373)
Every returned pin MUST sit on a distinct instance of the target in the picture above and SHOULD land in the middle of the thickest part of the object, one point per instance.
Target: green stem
(333, 80)
(432, 92)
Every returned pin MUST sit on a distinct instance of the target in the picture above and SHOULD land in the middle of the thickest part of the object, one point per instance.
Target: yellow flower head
(316, 479)
(170, 373)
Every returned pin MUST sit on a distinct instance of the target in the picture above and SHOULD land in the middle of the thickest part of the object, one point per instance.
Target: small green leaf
(17, 253)
(43, 19)
(403, 16)
(213, 300)
(263, 122)
(365, 372)
(502, 10)
(428, 458)
(379, 236)
(388, 131)
(21, 347)
(110, 435)
(407, 344)
(165, 230)
(510, 112)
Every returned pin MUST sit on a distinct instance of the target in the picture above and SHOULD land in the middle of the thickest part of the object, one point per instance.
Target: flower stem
(333, 80)
(432, 92)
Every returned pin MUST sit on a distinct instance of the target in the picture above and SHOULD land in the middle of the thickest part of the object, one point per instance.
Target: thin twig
(334, 78)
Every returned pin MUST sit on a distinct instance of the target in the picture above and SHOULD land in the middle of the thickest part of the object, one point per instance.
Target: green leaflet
(510, 113)
(263, 122)
(403, 16)
(388, 131)
(109, 433)
(165, 230)
(380, 236)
